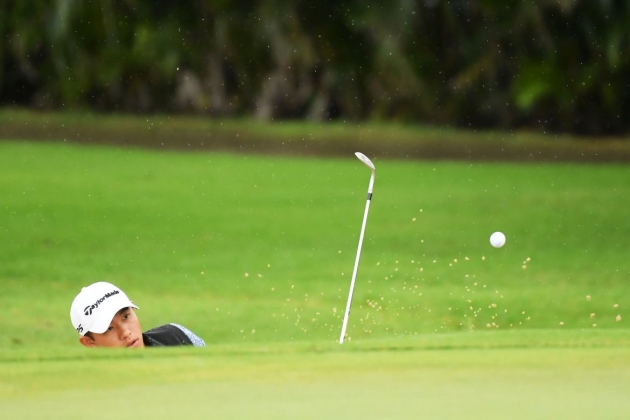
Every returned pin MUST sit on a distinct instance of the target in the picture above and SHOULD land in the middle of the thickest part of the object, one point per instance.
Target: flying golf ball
(497, 239)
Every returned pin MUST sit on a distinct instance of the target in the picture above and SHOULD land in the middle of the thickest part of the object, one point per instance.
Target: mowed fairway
(254, 253)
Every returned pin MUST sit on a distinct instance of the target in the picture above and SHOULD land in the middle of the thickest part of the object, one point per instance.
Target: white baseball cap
(95, 306)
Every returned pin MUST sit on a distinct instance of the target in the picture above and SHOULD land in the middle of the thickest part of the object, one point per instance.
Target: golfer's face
(124, 331)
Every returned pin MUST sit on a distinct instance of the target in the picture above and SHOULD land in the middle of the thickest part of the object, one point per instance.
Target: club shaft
(356, 263)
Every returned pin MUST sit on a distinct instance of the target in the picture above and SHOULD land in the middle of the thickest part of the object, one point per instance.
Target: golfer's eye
(110, 328)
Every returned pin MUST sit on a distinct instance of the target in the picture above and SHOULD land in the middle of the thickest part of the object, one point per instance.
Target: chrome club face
(365, 160)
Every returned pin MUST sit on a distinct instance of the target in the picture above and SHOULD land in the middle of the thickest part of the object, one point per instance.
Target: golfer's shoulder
(194, 338)
(172, 334)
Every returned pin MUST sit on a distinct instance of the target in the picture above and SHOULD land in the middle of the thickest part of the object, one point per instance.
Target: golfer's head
(94, 308)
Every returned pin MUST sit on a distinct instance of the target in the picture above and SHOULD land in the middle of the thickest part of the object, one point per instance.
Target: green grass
(517, 375)
(254, 253)
(261, 248)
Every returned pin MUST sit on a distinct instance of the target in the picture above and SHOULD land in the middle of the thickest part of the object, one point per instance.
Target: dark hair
(89, 334)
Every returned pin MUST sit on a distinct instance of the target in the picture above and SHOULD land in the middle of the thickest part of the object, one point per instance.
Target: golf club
(370, 165)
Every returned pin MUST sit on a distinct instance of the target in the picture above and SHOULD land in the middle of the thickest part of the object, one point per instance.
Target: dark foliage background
(560, 65)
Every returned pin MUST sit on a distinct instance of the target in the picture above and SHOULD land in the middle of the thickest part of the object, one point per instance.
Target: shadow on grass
(292, 138)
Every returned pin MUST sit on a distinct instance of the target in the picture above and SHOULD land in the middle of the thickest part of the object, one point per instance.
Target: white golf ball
(497, 239)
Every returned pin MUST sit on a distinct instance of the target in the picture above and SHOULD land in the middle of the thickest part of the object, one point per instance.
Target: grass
(401, 378)
(298, 138)
(261, 248)
(255, 252)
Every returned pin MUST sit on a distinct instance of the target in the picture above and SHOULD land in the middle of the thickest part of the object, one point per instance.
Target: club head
(365, 160)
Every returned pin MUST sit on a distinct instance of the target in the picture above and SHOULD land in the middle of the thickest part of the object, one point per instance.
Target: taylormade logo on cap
(95, 306)
(88, 309)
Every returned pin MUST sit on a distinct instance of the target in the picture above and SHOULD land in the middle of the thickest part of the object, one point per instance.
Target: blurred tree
(552, 64)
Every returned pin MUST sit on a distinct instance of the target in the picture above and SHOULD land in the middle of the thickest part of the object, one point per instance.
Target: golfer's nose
(124, 332)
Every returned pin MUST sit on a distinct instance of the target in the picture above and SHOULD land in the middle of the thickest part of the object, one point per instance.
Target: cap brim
(101, 324)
